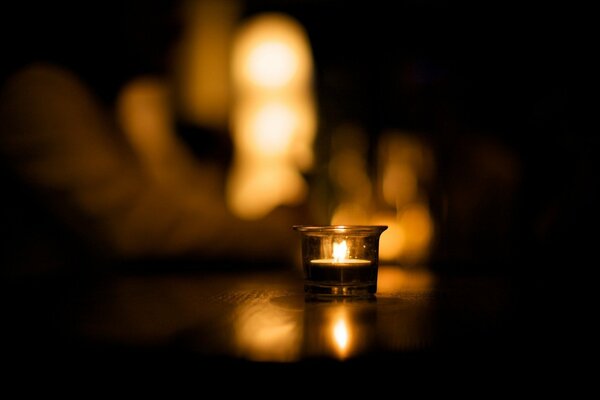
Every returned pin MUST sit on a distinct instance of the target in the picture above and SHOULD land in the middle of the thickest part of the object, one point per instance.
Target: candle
(340, 257)
(341, 270)
(348, 262)
(340, 260)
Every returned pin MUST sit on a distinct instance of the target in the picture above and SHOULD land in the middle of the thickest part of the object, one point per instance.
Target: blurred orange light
(340, 331)
(391, 242)
(341, 335)
(267, 333)
(272, 128)
(273, 119)
(272, 64)
(272, 51)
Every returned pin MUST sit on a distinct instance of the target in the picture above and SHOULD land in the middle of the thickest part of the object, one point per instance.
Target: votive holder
(340, 260)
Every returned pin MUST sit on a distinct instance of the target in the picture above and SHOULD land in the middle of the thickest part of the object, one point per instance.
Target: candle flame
(340, 250)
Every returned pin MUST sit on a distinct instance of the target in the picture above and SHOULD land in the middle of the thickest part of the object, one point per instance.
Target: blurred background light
(273, 119)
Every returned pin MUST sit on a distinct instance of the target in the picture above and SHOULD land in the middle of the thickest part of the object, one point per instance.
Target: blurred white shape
(273, 119)
(271, 51)
(258, 189)
(341, 335)
(272, 64)
(273, 129)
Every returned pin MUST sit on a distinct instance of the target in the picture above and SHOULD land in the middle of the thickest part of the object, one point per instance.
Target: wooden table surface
(257, 318)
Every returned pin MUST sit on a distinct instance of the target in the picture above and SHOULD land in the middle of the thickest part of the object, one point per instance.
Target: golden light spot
(341, 335)
(273, 121)
(340, 251)
(272, 64)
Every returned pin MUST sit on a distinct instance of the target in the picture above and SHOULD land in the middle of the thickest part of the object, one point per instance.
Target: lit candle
(340, 257)
(340, 260)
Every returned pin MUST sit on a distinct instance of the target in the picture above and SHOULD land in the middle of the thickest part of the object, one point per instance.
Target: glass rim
(340, 228)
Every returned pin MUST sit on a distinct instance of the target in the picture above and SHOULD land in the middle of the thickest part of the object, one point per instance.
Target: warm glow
(265, 332)
(281, 127)
(393, 279)
(391, 242)
(146, 118)
(273, 121)
(272, 52)
(399, 184)
(340, 331)
(350, 213)
(417, 223)
(272, 64)
(340, 251)
(273, 129)
(408, 236)
(202, 61)
(405, 170)
(341, 335)
(259, 188)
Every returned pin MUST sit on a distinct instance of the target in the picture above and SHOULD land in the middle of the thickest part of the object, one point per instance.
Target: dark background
(489, 86)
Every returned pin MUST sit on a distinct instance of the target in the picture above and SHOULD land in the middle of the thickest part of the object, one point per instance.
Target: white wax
(346, 262)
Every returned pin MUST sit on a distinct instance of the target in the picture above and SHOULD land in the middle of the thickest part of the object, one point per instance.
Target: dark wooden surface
(263, 316)
(243, 320)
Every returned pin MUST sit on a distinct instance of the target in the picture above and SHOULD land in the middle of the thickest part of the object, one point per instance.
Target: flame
(340, 250)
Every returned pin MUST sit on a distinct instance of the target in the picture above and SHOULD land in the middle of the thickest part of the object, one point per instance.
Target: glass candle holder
(340, 260)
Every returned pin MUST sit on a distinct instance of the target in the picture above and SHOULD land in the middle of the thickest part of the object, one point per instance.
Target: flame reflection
(265, 332)
(339, 330)
(341, 335)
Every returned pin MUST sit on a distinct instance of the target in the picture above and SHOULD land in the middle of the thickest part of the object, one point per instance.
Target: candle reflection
(341, 335)
(339, 330)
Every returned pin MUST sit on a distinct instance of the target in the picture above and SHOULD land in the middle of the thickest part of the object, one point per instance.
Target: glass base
(366, 290)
